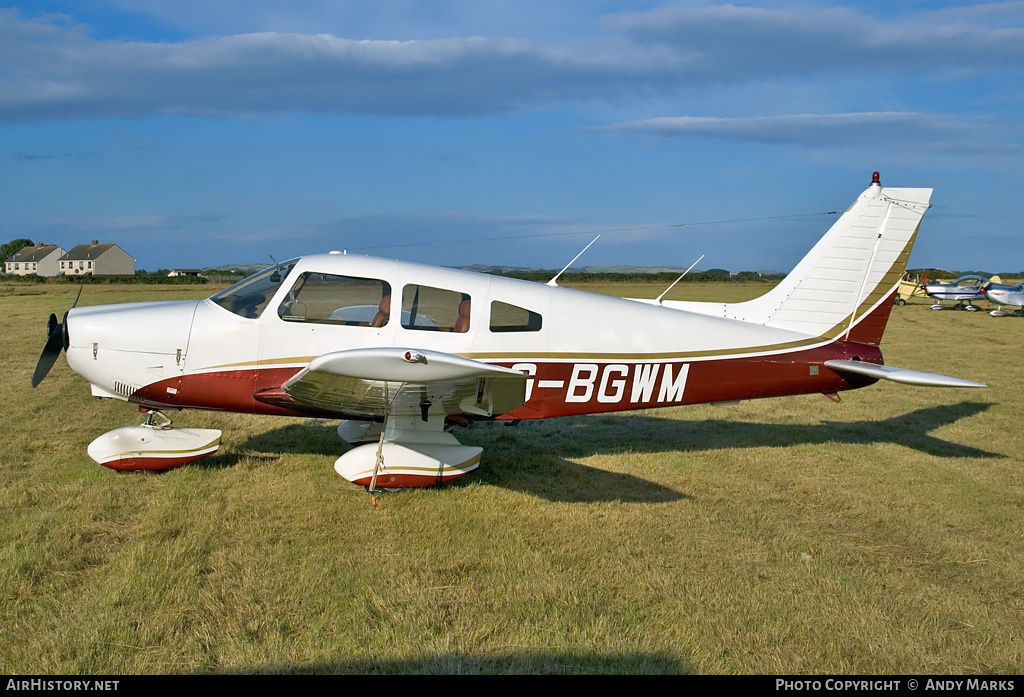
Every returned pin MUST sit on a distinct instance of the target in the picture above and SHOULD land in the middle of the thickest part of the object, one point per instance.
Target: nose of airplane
(120, 347)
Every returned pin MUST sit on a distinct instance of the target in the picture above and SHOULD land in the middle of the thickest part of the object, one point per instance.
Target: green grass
(883, 534)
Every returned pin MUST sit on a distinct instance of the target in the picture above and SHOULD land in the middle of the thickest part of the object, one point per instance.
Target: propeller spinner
(56, 341)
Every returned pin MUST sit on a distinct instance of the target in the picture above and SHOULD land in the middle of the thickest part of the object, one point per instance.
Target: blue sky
(507, 131)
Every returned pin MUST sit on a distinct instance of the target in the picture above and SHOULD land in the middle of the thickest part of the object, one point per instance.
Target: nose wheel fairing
(153, 446)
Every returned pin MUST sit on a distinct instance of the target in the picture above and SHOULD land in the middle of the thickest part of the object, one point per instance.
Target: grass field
(883, 534)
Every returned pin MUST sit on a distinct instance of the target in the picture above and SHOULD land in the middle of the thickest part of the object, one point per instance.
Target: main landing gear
(404, 451)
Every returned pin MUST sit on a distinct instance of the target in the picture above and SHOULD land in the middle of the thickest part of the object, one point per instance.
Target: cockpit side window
(326, 298)
(250, 297)
(435, 309)
(511, 318)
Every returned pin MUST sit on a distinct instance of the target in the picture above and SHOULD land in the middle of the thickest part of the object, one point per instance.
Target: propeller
(56, 341)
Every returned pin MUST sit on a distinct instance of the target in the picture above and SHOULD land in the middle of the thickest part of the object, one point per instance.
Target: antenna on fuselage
(658, 299)
(554, 281)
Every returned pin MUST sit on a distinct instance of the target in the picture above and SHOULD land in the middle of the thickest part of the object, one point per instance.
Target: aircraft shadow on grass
(538, 457)
(602, 434)
(525, 467)
(524, 664)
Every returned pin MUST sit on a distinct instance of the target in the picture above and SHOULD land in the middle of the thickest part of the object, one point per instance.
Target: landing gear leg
(151, 420)
(378, 465)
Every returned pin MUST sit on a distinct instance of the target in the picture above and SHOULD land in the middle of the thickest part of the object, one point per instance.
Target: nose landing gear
(153, 446)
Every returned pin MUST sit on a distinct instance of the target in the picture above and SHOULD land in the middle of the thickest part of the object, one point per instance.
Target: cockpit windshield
(248, 298)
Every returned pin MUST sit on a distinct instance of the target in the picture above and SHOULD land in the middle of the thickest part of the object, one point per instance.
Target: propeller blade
(56, 341)
(46, 361)
(54, 345)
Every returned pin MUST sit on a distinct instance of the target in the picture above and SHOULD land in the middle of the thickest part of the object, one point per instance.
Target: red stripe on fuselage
(562, 389)
(225, 390)
(706, 381)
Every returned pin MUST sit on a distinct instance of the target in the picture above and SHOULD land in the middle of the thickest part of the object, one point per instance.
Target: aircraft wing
(907, 377)
(397, 381)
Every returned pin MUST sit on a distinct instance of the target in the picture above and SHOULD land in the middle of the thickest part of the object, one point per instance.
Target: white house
(41, 260)
(97, 259)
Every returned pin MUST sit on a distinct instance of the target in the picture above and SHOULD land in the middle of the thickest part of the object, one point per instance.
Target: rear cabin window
(511, 318)
(435, 309)
(325, 298)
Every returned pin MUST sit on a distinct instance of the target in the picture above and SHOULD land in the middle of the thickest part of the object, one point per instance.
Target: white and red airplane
(403, 351)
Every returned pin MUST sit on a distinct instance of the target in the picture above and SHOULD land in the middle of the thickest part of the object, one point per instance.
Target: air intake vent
(124, 388)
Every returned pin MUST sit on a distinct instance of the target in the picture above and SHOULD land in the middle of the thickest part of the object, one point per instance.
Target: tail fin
(845, 284)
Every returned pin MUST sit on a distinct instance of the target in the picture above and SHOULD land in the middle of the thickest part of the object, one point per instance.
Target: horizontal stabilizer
(907, 377)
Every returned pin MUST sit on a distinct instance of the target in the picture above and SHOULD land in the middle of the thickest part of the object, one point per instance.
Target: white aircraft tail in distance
(403, 351)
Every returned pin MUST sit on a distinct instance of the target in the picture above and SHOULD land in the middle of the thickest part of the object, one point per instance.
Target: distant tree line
(88, 279)
(10, 248)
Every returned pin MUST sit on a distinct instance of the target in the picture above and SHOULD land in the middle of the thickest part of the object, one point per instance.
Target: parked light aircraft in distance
(1005, 294)
(964, 289)
(403, 351)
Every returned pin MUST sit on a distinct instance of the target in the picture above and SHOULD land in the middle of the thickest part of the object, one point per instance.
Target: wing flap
(901, 375)
(375, 381)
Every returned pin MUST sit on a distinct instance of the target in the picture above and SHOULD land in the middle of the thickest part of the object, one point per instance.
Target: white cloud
(50, 67)
(809, 129)
(723, 42)
(939, 133)
(51, 70)
(381, 19)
